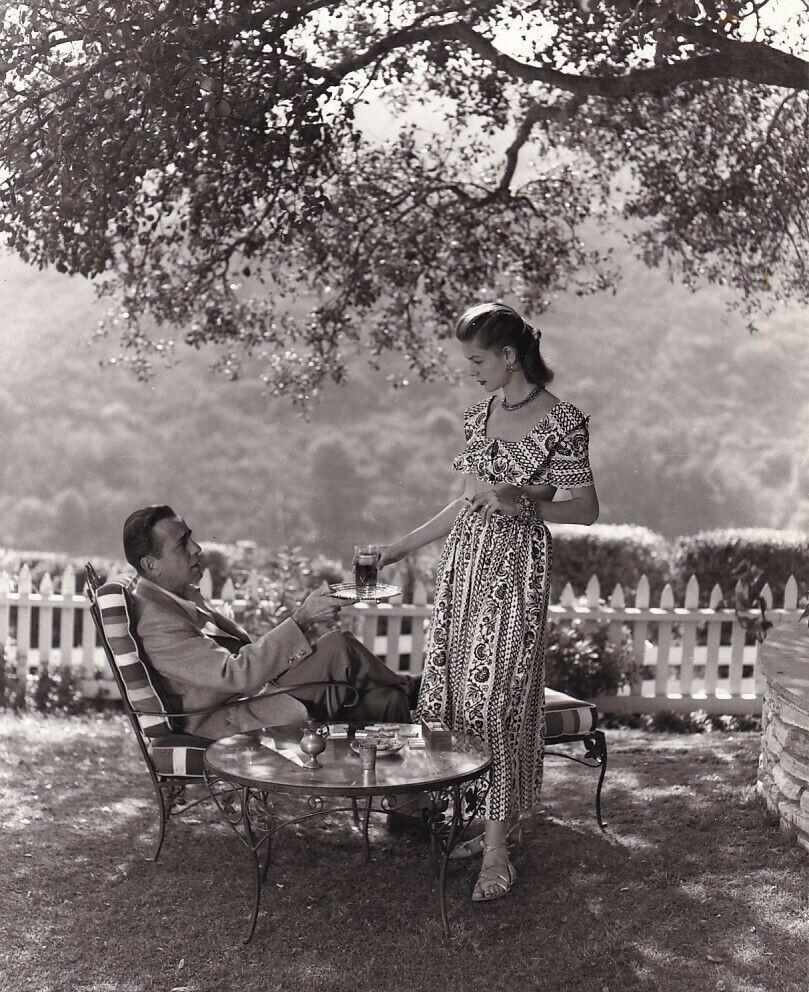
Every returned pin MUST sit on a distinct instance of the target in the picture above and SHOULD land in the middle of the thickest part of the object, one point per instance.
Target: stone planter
(783, 775)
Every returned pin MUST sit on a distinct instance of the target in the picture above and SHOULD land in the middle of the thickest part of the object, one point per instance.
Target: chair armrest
(280, 690)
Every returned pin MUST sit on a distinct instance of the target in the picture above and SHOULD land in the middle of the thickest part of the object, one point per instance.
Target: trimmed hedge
(616, 553)
(719, 556)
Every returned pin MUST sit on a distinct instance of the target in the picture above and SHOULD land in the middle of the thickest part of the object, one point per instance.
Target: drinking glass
(366, 565)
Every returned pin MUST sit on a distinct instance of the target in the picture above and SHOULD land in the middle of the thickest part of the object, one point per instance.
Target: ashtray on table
(385, 746)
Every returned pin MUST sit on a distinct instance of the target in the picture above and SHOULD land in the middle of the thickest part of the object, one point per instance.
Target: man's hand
(319, 606)
(501, 499)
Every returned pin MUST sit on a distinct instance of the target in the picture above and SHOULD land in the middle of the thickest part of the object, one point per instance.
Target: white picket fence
(680, 673)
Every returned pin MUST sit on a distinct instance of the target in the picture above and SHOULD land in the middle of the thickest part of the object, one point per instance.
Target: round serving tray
(348, 590)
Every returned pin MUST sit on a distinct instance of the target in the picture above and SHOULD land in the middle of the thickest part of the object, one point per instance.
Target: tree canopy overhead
(215, 168)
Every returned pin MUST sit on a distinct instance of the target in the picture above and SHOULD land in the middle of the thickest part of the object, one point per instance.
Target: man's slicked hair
(138, 536)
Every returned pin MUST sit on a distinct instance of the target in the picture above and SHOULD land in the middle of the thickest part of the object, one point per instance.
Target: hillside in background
(694, 424)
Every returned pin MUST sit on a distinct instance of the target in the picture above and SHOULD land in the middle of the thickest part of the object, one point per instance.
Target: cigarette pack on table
(416, 743)
(362, 735)
(338, 731)
(435, 729)
(408, 730)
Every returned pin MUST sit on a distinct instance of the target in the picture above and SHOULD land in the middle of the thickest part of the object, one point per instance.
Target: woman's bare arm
(433, 530)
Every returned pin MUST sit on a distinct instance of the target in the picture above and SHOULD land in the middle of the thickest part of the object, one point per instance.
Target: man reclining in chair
(203, 659)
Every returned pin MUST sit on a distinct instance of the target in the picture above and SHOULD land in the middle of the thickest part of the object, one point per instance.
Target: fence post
(615, 628)
(5, 610)
(394, 628)
(689, 638)
(206, 584)
(664, 643)
(417, 630)
(88, 649)
(791, 594)
(714, 638)
(67, 615)
(640, 630)
(593, 595)
(23, 628)
(736, 653)
(45, 619)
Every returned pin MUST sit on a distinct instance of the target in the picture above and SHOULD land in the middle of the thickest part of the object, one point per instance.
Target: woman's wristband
(527, 507)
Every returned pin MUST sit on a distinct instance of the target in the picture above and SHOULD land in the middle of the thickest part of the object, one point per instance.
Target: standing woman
(484, 666)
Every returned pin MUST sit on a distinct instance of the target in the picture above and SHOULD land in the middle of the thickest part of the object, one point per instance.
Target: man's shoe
(412, 818)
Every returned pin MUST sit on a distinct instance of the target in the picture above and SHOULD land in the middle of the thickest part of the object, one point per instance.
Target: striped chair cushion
(118, 627)
(567, 715)
(178, 754)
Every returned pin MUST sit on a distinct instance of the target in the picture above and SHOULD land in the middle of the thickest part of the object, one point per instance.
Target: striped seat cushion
(178, 754)
(567, 715)
(116, 619)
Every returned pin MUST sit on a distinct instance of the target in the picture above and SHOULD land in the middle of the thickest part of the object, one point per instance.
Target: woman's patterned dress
(484, 666)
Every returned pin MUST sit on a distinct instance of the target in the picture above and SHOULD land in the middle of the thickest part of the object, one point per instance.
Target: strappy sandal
(493, 875)
(475, 845)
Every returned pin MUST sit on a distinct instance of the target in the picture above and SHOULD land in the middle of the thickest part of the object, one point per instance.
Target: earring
(509, 368)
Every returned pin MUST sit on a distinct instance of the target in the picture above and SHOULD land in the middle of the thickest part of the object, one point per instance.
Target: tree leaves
(158, 148)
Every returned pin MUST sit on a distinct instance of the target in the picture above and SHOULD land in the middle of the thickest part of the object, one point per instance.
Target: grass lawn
(689, 888)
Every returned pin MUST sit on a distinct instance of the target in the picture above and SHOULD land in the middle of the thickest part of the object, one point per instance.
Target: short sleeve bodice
(555, 452)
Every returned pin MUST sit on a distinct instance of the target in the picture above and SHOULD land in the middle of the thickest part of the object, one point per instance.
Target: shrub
(616, 553)
(285, 578)
(720, 556)
(585, 663)
(54, 563)
(57, 690)
(671, 722)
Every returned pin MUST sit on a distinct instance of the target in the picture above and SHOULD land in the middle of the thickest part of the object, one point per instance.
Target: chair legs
(601, 751)
(161, 804)
(170, 799)
(595, 756)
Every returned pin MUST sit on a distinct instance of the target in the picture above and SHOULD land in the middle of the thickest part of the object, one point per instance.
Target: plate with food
(385, 746)
(378, 593)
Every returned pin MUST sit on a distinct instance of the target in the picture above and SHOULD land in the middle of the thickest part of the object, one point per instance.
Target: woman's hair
(497, 326)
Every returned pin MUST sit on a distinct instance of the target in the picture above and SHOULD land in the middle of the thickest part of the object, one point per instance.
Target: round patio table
(259, 791)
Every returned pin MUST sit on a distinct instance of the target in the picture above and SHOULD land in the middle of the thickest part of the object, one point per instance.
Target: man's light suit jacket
(198, 671)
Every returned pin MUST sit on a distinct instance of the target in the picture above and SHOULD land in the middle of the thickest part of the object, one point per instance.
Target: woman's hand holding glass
(389, 554)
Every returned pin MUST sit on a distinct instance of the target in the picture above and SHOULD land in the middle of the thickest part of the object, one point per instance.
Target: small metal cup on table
(367, 753)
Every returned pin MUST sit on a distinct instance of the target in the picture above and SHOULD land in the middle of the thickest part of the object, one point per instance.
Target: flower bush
(585, 663)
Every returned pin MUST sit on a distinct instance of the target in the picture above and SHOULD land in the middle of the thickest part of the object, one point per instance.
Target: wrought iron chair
(569, 721)
(173, 760)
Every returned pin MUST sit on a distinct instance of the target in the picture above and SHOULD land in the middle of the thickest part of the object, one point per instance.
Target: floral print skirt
(484, 665)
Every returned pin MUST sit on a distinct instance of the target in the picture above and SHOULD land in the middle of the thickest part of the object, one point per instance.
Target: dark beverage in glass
(366, 564)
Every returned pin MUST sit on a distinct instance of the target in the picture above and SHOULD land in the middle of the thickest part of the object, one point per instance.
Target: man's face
(176, 564)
